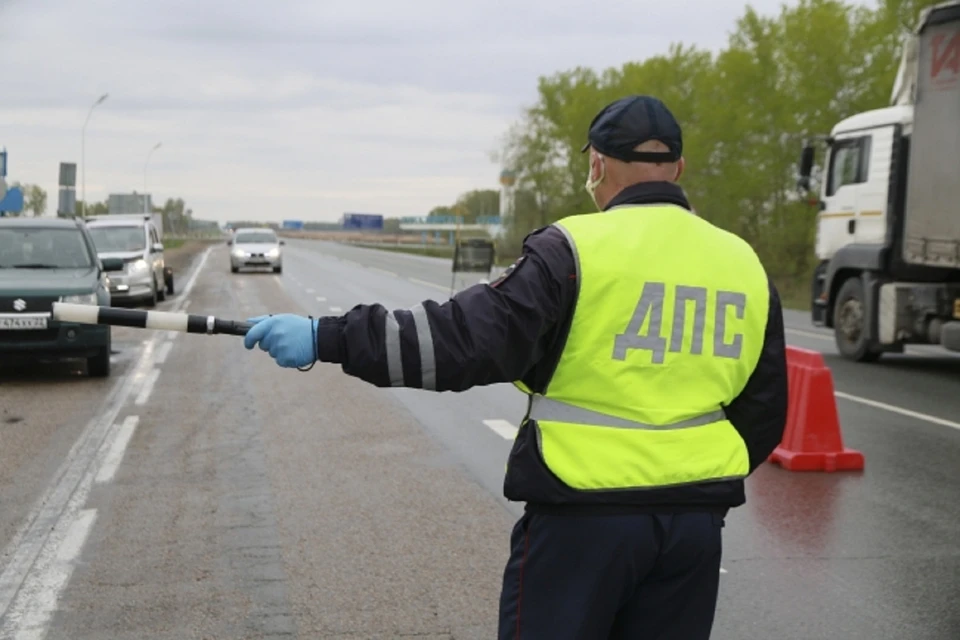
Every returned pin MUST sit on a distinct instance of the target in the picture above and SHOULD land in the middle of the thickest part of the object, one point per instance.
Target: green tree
(34, 199)
(745, 111)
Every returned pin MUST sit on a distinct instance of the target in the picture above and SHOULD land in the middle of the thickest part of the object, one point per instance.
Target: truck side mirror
(806, 167)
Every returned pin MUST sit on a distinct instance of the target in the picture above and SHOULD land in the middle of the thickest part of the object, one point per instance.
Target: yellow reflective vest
(669, 324)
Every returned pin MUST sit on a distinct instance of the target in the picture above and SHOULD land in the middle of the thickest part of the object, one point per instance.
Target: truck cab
(888, 228)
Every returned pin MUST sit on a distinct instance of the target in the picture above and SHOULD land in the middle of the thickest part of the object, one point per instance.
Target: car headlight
(84, 298)
(239, 253)
(140, 266)
(273, 253)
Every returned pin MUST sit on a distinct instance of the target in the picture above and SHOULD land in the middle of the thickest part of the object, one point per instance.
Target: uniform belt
(543, 408)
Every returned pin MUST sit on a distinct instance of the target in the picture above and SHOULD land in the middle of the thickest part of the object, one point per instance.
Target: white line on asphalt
(384, 271)
(147, 387)
(115, 454)
(926, 417)
(310, 291)
(336, 309)
(428, 284)
(502, 428)
(186, 303)
(808, 334)
(321, 299)
(722, 570)
(163, 352)
(38, 600)
(59, 505)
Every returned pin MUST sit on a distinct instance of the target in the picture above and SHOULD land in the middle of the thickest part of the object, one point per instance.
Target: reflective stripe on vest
(668, 326)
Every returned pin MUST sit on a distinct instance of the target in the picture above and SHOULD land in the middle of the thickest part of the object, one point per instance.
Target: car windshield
(255, 237)
(39, 248)
(118, 238)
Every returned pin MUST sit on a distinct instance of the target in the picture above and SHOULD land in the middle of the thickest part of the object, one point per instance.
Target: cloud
(303, 108)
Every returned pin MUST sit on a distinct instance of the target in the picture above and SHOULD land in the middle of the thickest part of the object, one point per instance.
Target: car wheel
(152, 300)
(278, 269)
(234, 269)
(99, 365)
(170, 290)
(849, 324)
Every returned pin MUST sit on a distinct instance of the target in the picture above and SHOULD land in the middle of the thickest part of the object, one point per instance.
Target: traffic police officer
(651, 346)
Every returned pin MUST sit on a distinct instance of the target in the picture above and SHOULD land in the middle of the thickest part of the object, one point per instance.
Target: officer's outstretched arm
(486, 334)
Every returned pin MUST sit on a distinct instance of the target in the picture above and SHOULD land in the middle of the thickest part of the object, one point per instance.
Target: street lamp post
(83, 155)
(145, 164)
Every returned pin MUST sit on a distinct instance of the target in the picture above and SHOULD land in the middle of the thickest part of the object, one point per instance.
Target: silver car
(257, 248)
(135, 240)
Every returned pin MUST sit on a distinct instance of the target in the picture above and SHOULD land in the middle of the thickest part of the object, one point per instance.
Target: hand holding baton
(159, 320)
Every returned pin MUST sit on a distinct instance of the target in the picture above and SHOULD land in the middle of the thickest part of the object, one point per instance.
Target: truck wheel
(99, 365)
(849, 324)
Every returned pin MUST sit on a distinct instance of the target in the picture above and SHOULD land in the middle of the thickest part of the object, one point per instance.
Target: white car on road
(257, 248)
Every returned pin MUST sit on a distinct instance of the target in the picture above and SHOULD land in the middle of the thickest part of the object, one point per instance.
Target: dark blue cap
(630, 121)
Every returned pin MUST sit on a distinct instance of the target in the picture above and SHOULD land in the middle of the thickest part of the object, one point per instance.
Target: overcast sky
(303, 109)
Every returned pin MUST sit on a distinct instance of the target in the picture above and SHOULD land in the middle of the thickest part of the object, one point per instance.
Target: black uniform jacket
(514, 329)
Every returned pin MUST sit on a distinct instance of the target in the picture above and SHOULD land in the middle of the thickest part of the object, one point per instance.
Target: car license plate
(956, 308)
(23, 323)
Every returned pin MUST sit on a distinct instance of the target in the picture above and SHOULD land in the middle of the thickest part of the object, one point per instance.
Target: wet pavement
(256, 502)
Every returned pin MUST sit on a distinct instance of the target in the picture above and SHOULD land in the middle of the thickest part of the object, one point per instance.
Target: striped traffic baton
(159, 320)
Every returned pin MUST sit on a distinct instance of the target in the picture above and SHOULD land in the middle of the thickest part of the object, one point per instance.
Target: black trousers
(599, 577)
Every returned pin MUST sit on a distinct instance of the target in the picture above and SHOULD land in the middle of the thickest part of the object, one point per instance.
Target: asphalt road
(205, 493)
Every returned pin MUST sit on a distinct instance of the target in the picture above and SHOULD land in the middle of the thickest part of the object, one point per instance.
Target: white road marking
(321, 299)
(29, 571)
(115, 453)
(37, 602)
(722, 570)
(163, 352)
(147, 387)
(384, 271)
(336, 309)
(311, 291)
(186, 303)
(429, 284)
(502, 428)
(808, 334)
(926, 417)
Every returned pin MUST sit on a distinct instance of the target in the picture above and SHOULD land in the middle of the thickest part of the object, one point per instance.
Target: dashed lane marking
(383, 271)
(321, 299)
(336, 309)
(426, 283)
(115, 454)
(147, 387)
(502, 428)
(163, 352)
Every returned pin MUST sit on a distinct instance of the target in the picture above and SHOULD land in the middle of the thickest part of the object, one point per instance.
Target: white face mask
(591, 185)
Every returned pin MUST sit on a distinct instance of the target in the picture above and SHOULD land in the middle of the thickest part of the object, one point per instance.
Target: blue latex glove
(288, 338)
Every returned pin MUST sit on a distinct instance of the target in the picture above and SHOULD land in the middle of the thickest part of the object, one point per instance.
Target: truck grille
(27, 304)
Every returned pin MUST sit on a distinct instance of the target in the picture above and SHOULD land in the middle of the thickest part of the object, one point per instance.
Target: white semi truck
(888, 231)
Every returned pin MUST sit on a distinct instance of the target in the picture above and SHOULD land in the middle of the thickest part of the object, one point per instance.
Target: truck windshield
(38, 248)
(255, 238)
(118, 238)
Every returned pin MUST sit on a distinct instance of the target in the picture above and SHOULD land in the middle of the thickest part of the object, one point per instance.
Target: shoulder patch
(509, 272)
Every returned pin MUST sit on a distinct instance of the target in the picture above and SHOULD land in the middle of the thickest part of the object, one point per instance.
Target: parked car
(47, 260)
(256, 247)
(134, 239)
